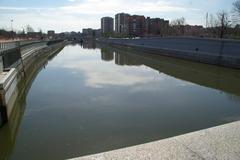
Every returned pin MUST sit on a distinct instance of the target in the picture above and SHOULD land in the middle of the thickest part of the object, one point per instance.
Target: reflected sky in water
(86, 102)
(100, 74)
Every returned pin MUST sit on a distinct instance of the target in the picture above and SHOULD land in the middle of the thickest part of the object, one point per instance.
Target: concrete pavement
(217, 143)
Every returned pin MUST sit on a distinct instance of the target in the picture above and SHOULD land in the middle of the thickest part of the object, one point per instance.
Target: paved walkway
(217, 143)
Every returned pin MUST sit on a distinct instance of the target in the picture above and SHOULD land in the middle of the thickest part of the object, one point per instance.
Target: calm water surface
(91, 100)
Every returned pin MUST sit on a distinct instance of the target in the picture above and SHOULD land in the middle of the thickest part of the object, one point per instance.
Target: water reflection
(89, 45)
(220, 78)
(107, 54)
(92, 100)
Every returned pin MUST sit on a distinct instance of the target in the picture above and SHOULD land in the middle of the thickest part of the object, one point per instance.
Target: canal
(87, 100)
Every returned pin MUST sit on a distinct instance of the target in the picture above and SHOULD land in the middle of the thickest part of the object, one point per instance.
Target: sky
(74, 15)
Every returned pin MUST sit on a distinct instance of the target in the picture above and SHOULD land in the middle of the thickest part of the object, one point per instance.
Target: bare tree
(212, 21)
(40, 31)
(212, 26)
(236, 6)
(178, 25)
(236, 11)
(29, 29)
(218, 24)
(222, 23)
(178, 21)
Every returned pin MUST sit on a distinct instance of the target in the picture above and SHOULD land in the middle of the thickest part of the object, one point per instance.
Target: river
(89, 99)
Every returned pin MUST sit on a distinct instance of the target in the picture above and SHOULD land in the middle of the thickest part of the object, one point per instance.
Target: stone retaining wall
(218, 52)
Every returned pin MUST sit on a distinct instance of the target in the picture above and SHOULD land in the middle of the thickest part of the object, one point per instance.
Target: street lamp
(12, 29)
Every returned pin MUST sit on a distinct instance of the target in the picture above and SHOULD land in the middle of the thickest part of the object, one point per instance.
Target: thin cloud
(114, 6)
(13, 8)
(84, 13)
(111, 6)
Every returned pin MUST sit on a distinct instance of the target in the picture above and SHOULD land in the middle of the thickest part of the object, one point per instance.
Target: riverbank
(11, 77)
(9, 132)
(210, 51)
(221, 142)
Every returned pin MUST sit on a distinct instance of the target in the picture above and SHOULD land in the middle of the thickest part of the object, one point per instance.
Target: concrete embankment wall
(211, 51)
(10, 79)
(14, 121)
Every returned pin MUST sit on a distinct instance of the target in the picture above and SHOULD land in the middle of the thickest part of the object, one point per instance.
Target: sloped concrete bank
(9, 79)
(8, 134)
(217, 52)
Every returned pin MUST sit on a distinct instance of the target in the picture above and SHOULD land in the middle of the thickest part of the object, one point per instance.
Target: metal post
(12, 29)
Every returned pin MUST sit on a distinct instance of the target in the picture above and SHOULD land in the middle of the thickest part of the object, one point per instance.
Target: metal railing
(8, 45)
(11, 52)
(12, 45)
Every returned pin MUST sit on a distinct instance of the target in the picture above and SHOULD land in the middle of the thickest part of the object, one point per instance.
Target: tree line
(221, 25)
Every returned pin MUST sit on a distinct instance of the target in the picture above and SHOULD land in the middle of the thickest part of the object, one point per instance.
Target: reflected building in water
(89, 45)
(107, 54)
(124, 59)
(220, 78)
(120, 59)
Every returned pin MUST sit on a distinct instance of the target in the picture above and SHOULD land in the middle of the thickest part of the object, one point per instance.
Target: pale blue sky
(73, 15)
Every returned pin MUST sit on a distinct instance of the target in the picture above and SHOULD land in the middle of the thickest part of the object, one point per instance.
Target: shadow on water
(220, 78)
(9, 131)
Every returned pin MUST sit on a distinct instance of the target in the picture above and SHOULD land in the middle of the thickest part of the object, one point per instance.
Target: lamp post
(12, 29)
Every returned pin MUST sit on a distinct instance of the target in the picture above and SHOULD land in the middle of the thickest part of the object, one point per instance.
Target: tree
(40, 30)
(212, 26)
(222, 23)
(178, 25)
(29, 29)
(236, 11)
(236, 6)
(178, 21)
(219, 24)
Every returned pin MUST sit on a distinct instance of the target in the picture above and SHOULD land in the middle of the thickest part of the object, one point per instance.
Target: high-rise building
(121, 23)
(137, 25)
(156, 26)
(107, 24)
(51, 34)
(87, 32)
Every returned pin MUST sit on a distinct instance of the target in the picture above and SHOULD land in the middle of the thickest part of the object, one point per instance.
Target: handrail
(11, 45)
